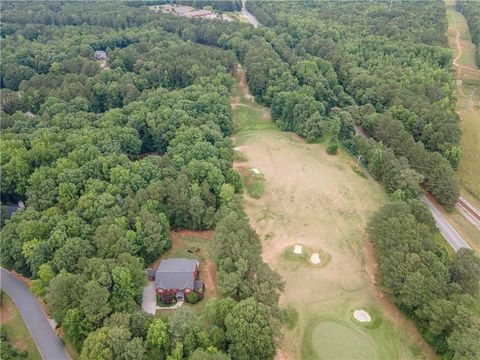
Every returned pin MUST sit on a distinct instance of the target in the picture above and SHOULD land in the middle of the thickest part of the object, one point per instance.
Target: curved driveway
(48, 343)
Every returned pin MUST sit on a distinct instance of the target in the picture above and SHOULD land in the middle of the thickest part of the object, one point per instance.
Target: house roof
(100, 54)
(176, 274)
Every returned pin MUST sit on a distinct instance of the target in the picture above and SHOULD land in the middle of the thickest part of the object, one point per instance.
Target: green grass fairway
(332, 340)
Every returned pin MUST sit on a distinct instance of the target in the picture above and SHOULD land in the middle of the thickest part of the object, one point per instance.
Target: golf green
(336, 341)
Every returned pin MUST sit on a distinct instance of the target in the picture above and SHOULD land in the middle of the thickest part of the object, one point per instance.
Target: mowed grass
(248, 117)
(335, 340)
(320, 202)
(17, 332)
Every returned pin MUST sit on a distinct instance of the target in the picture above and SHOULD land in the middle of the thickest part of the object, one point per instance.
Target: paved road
(447, 230)
(249, 16)
(48, 343)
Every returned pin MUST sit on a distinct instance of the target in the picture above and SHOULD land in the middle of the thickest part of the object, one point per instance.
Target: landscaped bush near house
(167, 299)
(192, 297)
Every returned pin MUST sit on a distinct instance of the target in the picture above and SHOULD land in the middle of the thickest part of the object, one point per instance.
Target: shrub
(290, 317)
(167, 299)
(332, 148)
(192, 297)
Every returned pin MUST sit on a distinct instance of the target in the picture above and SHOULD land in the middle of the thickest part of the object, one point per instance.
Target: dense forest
(440, 293)
(361, 63)
(471, 11)
(108, 158)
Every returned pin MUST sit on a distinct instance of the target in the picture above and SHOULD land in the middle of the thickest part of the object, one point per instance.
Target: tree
(76, 327)
(65, 292)
(123, 291)
(157, 340)
(134, 350)
(208, 354)
(152, 234)
(139, 323)
(248, 331)
(184, 325)
(94, 302)
(465, 270)
(45, 274)
(97, 346)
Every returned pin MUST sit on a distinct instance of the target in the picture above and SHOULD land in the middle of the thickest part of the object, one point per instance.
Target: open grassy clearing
(468, 100)
(197, 245)
(318, 201)
(17, 331)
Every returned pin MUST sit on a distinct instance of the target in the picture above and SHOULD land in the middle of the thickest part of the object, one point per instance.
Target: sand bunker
(315, 258)
(297, 249)
(362, 316)
(256, 171)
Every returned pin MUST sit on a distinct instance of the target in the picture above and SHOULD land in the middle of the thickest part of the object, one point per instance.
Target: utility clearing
(318, 201)
(468, 108)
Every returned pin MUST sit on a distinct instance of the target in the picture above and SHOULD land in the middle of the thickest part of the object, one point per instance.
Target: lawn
(320, 202)
(17, 332)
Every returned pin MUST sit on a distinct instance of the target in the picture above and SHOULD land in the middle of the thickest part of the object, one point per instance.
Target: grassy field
(468, 101)
(321, 203)
(468, 108)
(17, 331)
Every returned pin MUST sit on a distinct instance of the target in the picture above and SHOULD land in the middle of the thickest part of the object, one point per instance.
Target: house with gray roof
(176, 276)
(100, 55)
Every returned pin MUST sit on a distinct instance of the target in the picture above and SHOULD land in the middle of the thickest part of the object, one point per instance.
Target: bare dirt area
(208, 275)
(240, 73)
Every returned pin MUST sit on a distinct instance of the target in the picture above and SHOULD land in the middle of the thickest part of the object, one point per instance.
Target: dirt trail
(460, 52)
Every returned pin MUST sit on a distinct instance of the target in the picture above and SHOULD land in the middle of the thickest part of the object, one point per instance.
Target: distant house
(100, 55)
(11, 208)
(176, 276)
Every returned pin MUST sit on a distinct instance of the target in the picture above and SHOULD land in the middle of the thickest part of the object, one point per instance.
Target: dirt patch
(153, 153)
(282, 355)
(6, 312)
(181, 233)
(243, 85)
(209, 274)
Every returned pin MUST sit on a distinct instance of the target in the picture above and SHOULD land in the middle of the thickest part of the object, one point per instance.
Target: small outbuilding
(100, 55)
(11, 208)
